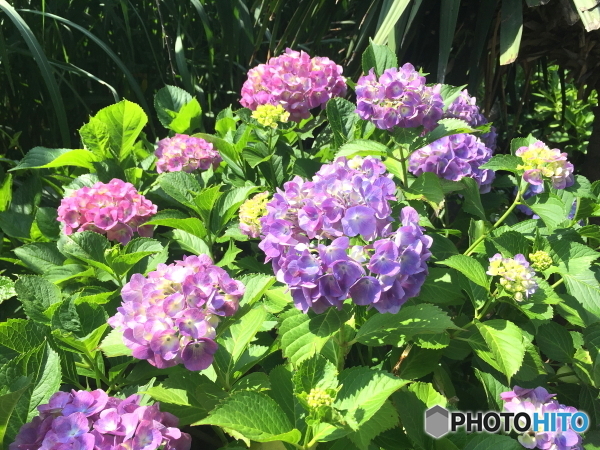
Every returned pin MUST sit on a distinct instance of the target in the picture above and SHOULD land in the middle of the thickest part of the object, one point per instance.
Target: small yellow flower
(540, 260)
(250, 213)
(268, 115)
(317, 398)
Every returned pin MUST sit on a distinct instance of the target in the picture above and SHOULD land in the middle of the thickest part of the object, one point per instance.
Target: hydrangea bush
(310, 273)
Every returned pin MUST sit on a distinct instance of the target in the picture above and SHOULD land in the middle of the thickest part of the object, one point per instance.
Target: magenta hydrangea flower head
(115, 209)
(464, 107)
(295, 81)
(453, 158)
(515, 275)
(170, 316)
(399, 98)
(307, 229)
(187, 153)
(83, 420)
(537, 402)
(541, 162)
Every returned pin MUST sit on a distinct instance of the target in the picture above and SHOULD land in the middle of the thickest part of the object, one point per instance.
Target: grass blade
(511, 30)
(448, 17)
(387, 25)
(40, 58)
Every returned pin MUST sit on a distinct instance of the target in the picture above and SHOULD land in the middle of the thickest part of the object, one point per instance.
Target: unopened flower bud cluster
(250, 213)
(270, 115)
(318, 397)
(540, 260)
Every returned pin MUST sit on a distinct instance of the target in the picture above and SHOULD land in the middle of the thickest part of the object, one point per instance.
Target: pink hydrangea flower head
(306, 235)
(453, 158)
(185, 153)
(84, 420)
(295, 81)
(115, 209)
(170, 316)
(398, 98)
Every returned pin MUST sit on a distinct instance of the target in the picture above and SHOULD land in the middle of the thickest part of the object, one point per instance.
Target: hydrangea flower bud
(539, 402)
(115, 209)
(170, 316)
(185, 153)
(318, 397)
(399, 98)
(250, 213)
(464, 107)
(515, 275)
(268, 115)
(295, 81)
(307, 229)
(94, 421)
(540, 162)
(540, 260)
(453, 158)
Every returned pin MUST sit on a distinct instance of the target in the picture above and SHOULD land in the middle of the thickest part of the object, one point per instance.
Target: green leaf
(228, 204)
(43, 158)
(511, 243)
(256, 285)
(46, 220)
(86, 246)
(492, 442)
(282, 391)
(230, 154)
(426, 187)
(379, 58)
(341, 116)
(411, 320)
(9, 401)
(472, 203)
(555, 342)
(303, 335)
(181, 187)
(419, 362)
(7, 288)
(584, 287)
(316, 372)
(188, 119)
(493, 388)
(384, 419)
(168, 101)
(448, 17)
(95, 138)
(502, 162)
(253, 416)
(112, 345)
(445, 127)
(40, 256)
(469, 267)
(21, 335)
(189, 242)
(441, 286)
(362, 147)
(363, 393)
(511, 29)
(36, 294)
(550, 209)
(505, 341)
(125, 121)
(15, 224)
(176, 219)
(205, 202)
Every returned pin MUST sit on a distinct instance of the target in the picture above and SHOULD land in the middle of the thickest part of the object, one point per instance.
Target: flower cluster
(268, 115)
(515, 275)
(295, 81)
(538, 402)
(540, 161)
(115, 209)
(399, 98)
(464, 107)
(540, 260)
(318, 397)
(170, 317)
(306, 235)
(187, 153)
(250, 213)
(454, 157)
(83, 420)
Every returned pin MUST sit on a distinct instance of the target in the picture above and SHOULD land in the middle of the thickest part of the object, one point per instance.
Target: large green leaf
(86, 246)
(125, 121)
(379, 57)
(511, 29)
(384, 419)
(44, 158)
(342, 118)
(316, 372)
(168, 101)
(394, 329)
(40, 256)
(9, 401)
(37, 294)
(555, 342)
(469, 267)
(21, 335)
(253, 416)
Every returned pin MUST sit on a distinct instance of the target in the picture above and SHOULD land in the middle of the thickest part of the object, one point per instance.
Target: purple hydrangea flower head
(81, 420)
(115, 209)
(539, 402)
(399, 98)
(306, 235)
(295, 81)
(187, 153)
(515, 275)
(453, 158)
(170, 316)
(540, 162)
(464, 107)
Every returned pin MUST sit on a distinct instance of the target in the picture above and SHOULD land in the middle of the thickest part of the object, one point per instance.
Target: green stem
(558, 283)
(515, 203)
(92, 364)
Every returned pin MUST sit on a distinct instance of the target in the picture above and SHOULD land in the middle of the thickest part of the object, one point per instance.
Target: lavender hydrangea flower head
(453, 158)
(306, 234)
(515, 274)
(115, 209)
(464, 107)
(399, 98)
(187, 153)
(83, 420)
(250, 213)
(540, 162)
(539, 402)
(295, 81)
(170, 317)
